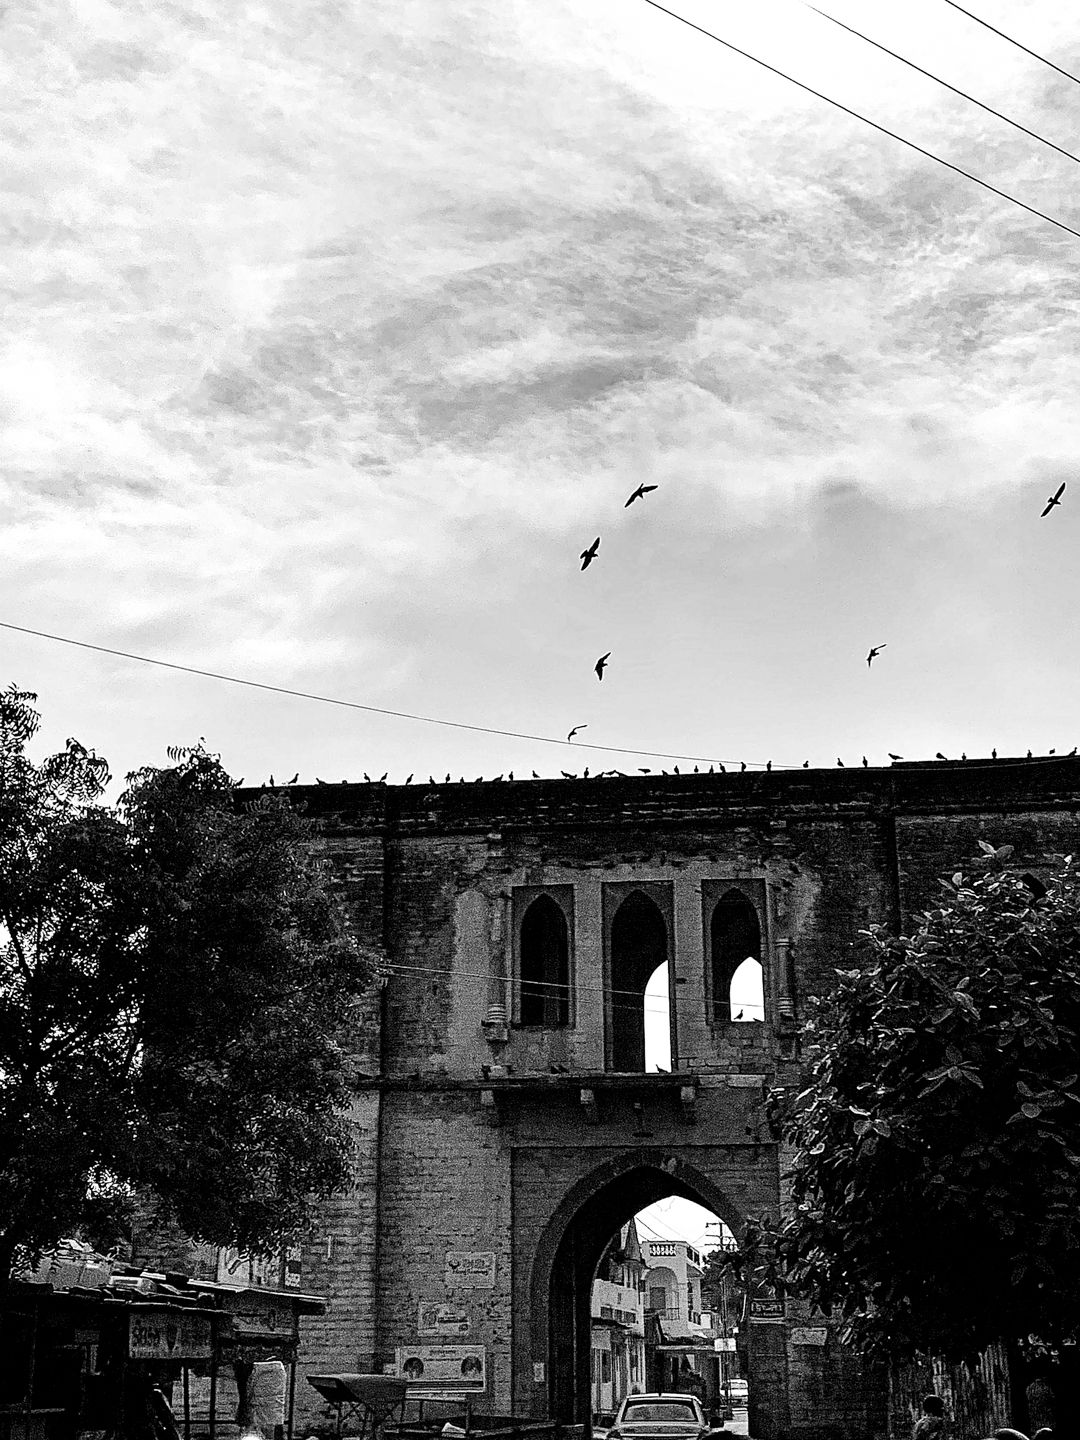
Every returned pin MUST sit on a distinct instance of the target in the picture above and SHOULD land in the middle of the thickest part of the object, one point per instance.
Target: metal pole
(292, 1396)
(187, 1404)
(212, 1416)
(30, 1377)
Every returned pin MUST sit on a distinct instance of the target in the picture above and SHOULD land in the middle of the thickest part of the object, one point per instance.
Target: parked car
(737, 1389)
(661, 1417)
(602, 1421)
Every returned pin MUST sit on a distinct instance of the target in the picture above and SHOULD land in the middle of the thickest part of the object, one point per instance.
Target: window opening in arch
(638, 948)
(544, 965)
(735, 938)
(746, 993)
(657, 1021)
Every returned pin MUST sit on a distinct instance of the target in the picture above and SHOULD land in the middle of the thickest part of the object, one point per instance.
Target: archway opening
(735, 939)
(594, 1293)
(639, 946)
(657, 1021)
(746, 993)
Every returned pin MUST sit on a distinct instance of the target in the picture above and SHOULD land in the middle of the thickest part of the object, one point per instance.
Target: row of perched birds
(717, 768)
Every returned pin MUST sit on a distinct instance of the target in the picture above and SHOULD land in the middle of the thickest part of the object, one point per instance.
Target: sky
(334, 333)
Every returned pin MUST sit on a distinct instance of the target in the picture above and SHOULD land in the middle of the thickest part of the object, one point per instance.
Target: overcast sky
(334, 332)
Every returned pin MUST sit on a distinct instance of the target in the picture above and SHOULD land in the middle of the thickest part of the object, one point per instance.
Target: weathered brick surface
(479, 1139)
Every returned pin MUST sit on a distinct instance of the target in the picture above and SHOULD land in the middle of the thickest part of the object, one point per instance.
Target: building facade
(618, 1322)
(506, 1129)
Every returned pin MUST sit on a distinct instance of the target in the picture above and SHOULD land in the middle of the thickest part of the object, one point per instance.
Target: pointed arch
(734, 937)
(543, 965)
(638, 944)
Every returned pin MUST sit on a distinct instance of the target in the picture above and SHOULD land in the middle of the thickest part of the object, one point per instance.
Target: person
(931, 1423)
(1039, 1395)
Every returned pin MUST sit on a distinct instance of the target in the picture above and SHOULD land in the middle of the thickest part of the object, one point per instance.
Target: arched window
(545, 965)
(735, 938)
(638, 946)
(746, 993)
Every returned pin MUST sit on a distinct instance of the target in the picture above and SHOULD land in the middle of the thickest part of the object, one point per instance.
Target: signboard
(766, 1309)
(470, 1270)
(809, 1335)
(726, 1342)
(291, 1276)
(168, 1335)
(442, 1369)
(437, 1318)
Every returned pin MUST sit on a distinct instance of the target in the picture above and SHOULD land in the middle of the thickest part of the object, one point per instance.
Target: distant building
(679, 1348)
(618, 1322)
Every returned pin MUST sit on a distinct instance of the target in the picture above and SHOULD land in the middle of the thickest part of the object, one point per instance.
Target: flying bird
(1054, 499)
(601, 665)
(639, 493)
(875, 650)
(588, 556)
(575, 730)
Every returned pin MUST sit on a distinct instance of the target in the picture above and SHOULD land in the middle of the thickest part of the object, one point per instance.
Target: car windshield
(673, 1412)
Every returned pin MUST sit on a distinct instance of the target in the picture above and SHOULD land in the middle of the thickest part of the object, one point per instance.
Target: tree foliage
(176, 981)
(936, 1149)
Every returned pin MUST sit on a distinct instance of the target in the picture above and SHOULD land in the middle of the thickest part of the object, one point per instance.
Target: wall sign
(442, 1369)
(441, 1318)
(165, 1335)
(766, 1309)
(470, 1269)
(809, 1335)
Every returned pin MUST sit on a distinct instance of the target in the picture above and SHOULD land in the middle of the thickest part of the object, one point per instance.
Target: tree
(936, 1147)
(176, 981)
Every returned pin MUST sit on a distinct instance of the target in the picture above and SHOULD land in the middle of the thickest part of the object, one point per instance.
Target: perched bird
(239, 782)
(1054, 499)
(367, 777)
(1029, 756)
(676, 769)
(295, 778)
(566, 775)
(768, 764)
(535, 776)
(272, 786)
(964, 757)
(993, 754)
(447, 780)
(588, 556)
(895, 757)
(840, 762)
(509, 774)
(939, 756)
(575, 730)
(742, 766)
(601, 665)
(383, 776)
(639, 493)
(722, 768)
(431, 779)
(806, 764)
(696, 770)
(644, 770)
(739, 1015)
(408, 779)
(1049, 752)
(495, 779)
(318, 781)
(1073, 750)
(874, 650)
(585, 773)
(865, 762)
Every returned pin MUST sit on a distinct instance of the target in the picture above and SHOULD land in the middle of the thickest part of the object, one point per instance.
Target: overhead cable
(369, 709)
(857, 115)
(938, 80)
(1033, 53)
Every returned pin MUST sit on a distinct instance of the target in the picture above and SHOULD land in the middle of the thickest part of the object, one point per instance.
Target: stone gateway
(505, 1122)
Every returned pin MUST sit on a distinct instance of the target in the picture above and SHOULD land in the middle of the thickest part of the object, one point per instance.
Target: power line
(370, 709)
(938, 80)
(883, 129)
(1033, 53)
